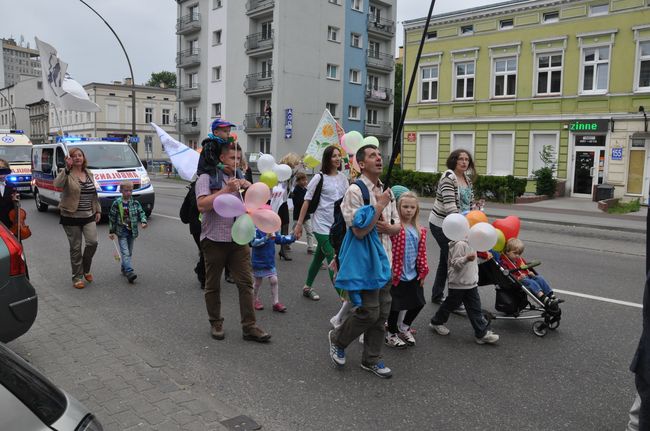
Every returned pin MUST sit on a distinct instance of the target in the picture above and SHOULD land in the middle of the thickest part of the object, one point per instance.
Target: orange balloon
(476, 216)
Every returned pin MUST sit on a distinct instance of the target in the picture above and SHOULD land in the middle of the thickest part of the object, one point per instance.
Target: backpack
(315, 200)
(339, 229)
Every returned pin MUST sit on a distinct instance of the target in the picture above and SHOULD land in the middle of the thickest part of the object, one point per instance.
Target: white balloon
(455, 227)
(265, 163)
(282, 171)
(482, 236)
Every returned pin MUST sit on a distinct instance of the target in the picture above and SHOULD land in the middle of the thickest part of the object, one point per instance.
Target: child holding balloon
(263, 262)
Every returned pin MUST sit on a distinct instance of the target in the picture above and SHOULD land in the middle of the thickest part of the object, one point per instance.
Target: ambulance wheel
(539, 328)
(40, 206)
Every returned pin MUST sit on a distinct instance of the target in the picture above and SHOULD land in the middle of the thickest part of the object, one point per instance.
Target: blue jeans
(536, 284)
(441, 273)
(126, 251)
(472, 301)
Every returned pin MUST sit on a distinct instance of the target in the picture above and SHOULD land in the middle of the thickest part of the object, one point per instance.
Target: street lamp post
(130, 68)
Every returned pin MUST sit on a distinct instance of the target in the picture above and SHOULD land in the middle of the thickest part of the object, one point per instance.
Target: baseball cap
(220, 123)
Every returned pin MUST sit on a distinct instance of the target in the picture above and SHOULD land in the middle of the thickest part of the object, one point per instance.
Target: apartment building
(39, 121)
(505, 80)
(152, 104)
(273, 66)
(17, 59)
(14, 98)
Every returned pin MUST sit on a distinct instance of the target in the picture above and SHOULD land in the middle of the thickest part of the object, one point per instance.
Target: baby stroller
(514, 301)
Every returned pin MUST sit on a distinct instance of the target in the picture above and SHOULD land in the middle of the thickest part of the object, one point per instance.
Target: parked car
(31, 402)
(18, 300)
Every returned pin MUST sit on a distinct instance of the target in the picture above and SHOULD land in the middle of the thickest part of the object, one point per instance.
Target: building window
(265, 145)
(595, 69)
(500, 154)
(598, 9)
(266, 68)
(216, 73)
(427, 152)
(193, 80)
(148, 115)
(462, 141)
(371, 117)
(549, 17)
(429, 83)
(332, 71)
(549, 74)
(537, 143)
(432, 35)
(353, 112)
(267, 30)
(357, 5)
(165, 117)
(337, 2)
(467, 29)
(643, 66)
(216, 4)
(506, 24)
(333, 34)
(191, 114)
(373, 49)
(464, 80)
(355, 40)
(216, 37)
(505, 77)
(216, 110)
(332, 108)
(355, 76)
(194, 12)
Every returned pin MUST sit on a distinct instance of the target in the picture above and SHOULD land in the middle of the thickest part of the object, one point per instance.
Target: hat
(220, 123)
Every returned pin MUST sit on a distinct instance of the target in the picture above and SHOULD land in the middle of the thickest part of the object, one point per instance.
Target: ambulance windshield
(109, 156)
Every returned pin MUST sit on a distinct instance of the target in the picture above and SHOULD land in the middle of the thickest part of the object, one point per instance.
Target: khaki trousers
(81, 260)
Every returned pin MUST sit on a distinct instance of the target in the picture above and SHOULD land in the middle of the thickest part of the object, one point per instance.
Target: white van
(16, 148)
(110, 161)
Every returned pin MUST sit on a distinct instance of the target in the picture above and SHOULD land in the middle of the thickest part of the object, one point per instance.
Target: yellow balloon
(501, 241)
(476, 216)
(269, 178)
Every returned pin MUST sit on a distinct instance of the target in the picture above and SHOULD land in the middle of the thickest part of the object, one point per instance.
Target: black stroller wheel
(539, 328)
(553, 324)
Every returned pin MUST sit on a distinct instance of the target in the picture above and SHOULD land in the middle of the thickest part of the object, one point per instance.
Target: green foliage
(546, 183)
(165, 77)
(499, 189)
(625, 207)
(423, 183)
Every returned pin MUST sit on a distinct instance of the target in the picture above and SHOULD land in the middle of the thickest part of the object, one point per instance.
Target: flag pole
(397, 136)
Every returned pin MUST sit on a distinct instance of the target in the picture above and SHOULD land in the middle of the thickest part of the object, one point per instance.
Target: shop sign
(580, 126)
(590, 140)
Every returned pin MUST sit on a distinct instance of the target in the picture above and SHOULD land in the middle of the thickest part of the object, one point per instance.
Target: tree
(546, 183)
(164, 78)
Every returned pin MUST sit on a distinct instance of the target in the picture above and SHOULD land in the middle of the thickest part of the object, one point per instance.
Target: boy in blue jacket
(263, 262)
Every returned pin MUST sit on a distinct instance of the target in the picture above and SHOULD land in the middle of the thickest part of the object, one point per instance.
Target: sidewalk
(564, 211)
(124, 385)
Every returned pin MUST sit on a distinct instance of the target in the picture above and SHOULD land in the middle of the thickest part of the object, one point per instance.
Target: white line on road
(564, 292)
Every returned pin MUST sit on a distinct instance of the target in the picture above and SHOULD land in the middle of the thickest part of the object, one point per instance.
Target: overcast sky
(146, 28)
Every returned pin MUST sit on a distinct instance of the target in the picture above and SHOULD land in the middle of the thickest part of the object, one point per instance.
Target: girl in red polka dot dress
(409, 271)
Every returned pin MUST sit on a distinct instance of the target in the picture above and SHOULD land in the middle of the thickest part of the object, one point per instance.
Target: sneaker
(217, 331)
(279, 307)
(131, 276)
(256, 334)
(361, 339)
(337, 354)
(460, 309)
(440, 329)
(407, 337)
(310, 293)
(310, 251)
(88, 277)
(229, 279)
(258, 304)
(438, 299)
(392, 340)
(379, 369)
(489, 338)
(78, 284)
(335, 323)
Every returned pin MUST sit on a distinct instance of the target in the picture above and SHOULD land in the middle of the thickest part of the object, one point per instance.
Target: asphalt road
(575, 378)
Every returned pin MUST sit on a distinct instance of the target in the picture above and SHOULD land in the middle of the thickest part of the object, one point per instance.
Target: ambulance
(111, 160)
(16, 148)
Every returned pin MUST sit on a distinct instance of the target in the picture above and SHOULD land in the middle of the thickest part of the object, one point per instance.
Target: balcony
(379, 95)
(381, 129)
(190, 127)
(381, 27)
(256, 8)
(189, 92)
(259, 43)
(257, 123)
(188, 24)
(258, 83)
(379, 60)
(189, 57)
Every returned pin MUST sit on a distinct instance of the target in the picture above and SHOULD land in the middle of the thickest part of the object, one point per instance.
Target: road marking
(166, 216)
(599, 298)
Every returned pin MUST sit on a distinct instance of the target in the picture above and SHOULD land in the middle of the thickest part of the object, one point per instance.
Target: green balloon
(269, 178)
(243, 230)
(398, 190)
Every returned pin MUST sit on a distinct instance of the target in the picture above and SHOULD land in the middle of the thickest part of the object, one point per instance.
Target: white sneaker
(392, 340)
(335, 323)
(440, 329)
(361, 338)
(407, 337)
(489, 338)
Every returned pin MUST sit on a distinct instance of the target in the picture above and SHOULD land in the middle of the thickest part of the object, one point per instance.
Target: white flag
(184, 158)
(58, 87)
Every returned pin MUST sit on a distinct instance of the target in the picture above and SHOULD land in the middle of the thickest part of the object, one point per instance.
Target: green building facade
(506, 80)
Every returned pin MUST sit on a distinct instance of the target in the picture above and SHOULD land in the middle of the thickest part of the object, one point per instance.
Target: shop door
(588, 170)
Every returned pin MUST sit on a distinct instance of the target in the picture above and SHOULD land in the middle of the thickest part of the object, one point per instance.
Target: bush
(423, 183)
(499, 189)
(546, 184)
(625, 207)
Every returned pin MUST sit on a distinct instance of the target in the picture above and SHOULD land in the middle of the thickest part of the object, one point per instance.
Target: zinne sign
(589, 126)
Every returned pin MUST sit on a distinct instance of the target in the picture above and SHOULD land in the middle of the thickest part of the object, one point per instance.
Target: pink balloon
(228, 205)
(266, 220)
(257, 195)
(266, 207)
(342, 141)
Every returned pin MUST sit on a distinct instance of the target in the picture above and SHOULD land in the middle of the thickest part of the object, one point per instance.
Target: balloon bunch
(271, 172)
(479, 233)
(352, 141)
(251, 212)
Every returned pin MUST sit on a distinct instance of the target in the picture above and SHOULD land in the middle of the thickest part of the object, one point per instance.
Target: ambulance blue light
(13, 178)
